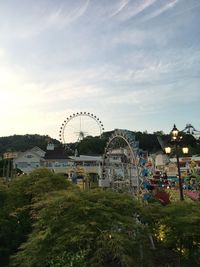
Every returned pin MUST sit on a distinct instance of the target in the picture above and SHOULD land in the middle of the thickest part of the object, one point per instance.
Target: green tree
(98, 225)
(175, 228)
(17, 198)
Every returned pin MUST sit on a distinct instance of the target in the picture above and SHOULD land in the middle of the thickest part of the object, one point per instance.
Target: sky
(135, 64)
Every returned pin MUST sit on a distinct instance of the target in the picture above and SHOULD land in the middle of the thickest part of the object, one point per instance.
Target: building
(29, 160)
(55, 159)
(188, 165)
(86, 164)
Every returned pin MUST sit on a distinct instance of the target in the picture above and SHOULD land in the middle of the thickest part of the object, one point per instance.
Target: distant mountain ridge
(24, 142)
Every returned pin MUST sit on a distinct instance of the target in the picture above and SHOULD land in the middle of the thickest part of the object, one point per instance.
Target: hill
(91, 145)
(24, 142)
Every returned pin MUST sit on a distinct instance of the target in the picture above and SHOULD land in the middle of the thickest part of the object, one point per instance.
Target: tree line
(46, 221)
(91, 145)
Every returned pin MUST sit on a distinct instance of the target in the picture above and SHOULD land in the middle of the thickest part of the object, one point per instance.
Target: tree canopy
(90, 145)
(47, 221)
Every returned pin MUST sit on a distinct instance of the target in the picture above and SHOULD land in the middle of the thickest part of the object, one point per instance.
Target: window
(22, 165)
(34, 164)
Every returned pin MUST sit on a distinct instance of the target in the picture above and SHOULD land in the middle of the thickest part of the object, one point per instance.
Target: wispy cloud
(34, 21)
(186, 9)
(132, 8)
(62, 16)
(120, 8)
(162, 9)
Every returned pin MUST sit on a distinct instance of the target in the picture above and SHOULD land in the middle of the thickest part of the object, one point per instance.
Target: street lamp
(176, 140)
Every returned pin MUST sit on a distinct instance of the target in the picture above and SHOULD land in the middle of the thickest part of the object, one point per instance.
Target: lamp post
(176, 139)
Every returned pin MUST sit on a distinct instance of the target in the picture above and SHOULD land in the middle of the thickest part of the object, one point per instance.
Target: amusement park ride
(189, 129)
(78, 126)
(124, 165)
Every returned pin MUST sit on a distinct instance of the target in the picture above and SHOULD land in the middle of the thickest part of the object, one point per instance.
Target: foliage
(69, 260)
(99, 223)
(148, 142)
(175, 228)
(16, 199)
(182, 221)
(45, 221)
(24, 142)
(90, 145)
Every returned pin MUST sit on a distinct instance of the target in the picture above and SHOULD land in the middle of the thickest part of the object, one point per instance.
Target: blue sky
(133, 63)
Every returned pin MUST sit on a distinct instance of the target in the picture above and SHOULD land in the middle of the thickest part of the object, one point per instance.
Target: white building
(88, 164)
(29, 160)
(55, 159)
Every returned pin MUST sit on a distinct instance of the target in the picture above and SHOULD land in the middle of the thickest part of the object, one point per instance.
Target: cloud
(184, 10)
(161, 9)
(63, 17)
(59, 57)
(122, 5)
(34, 21)
(130, 9)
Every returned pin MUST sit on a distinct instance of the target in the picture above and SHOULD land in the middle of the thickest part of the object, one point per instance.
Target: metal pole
(4, 168)
(8, 170)
(179, 175)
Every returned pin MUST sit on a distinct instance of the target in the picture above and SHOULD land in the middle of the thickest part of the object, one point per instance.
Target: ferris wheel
(78, 126)
(123, 163)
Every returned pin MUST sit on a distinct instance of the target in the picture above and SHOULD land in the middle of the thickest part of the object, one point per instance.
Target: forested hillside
(91, 145)
(147, 141)
(23, 142)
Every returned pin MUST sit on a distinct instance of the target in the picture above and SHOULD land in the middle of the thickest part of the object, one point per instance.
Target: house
(56, 159)
(29, 160)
